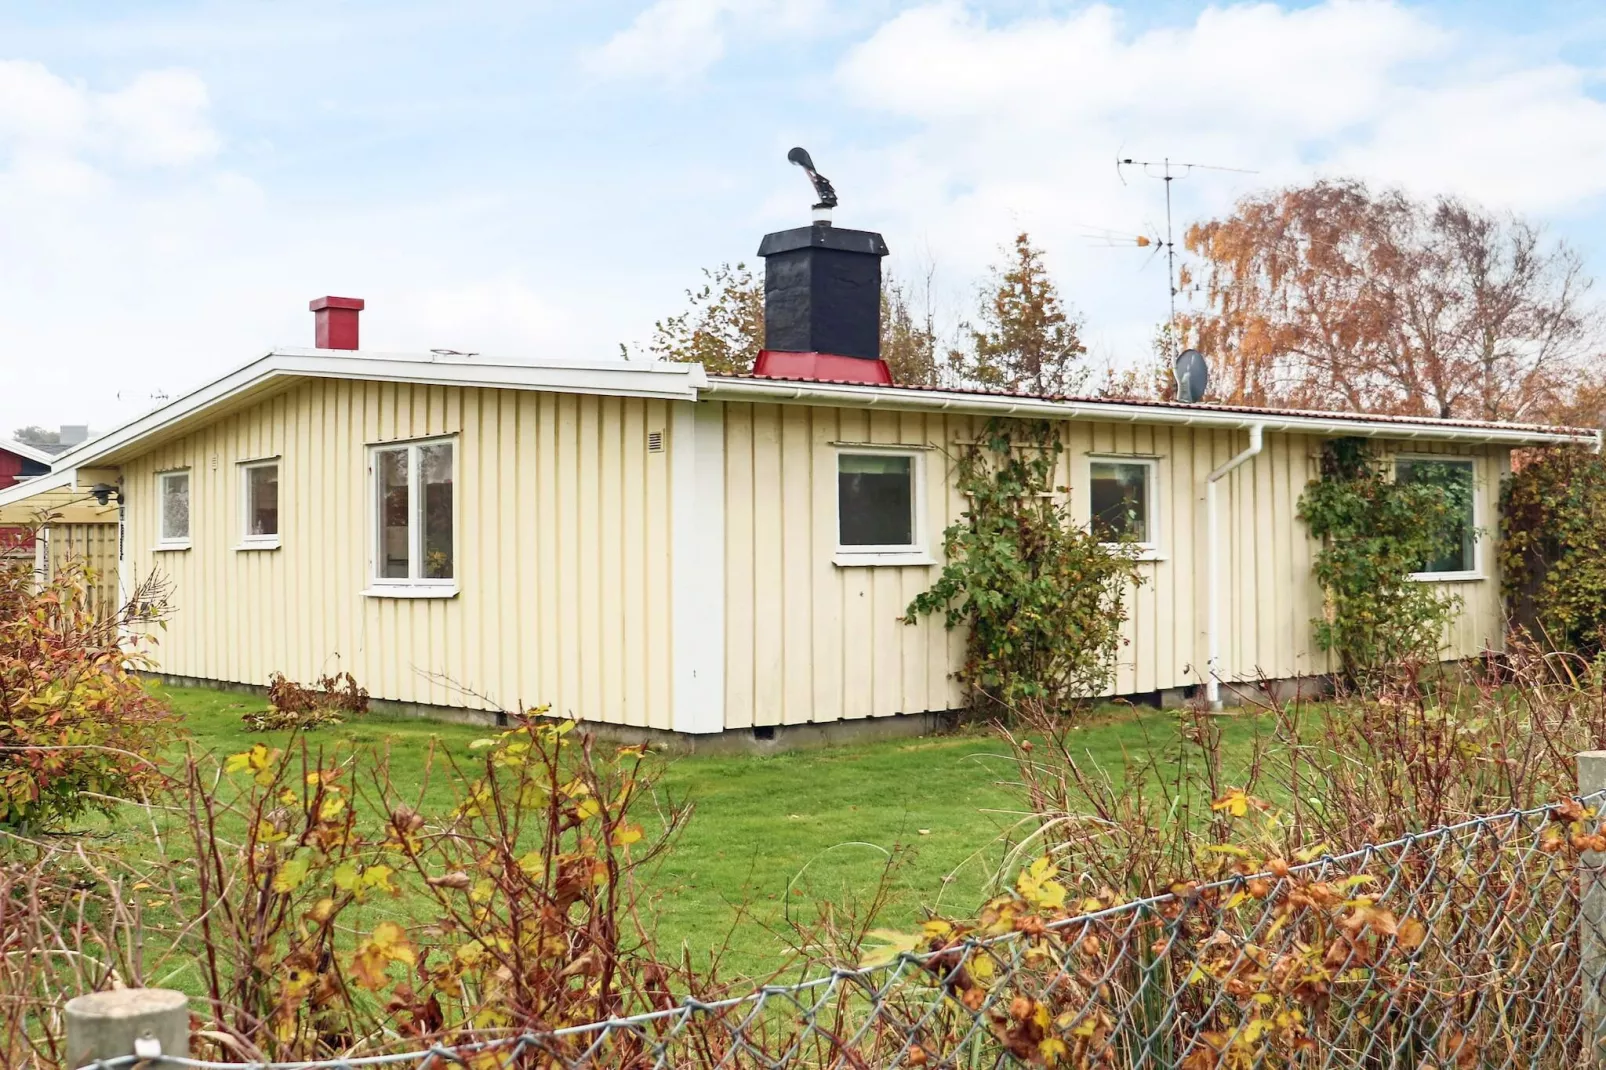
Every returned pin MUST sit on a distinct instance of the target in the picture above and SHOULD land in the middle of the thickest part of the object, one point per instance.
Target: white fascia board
(882, 397)
(22, 449)
(667, 380)
(648, 379)
(22, 490)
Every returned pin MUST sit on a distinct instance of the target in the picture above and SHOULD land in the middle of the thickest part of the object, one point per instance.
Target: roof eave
(649, 379)
(1117, 412)
(22, 449)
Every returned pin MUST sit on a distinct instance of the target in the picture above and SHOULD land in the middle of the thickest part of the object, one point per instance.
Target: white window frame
(243, 470)
(163, 541)
(916, 552)
(1151, 548)
(1463, 575)
(413, 586)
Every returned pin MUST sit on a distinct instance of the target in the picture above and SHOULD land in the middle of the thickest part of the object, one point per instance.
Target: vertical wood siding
(562, 551)
(807, 640)
(564, 557)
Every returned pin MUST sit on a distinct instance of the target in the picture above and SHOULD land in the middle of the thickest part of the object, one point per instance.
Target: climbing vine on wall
(1375, 532)
(1042, 597)
(1553, 547)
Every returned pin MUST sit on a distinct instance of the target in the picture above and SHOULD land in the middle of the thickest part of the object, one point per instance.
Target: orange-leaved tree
(1335, 295)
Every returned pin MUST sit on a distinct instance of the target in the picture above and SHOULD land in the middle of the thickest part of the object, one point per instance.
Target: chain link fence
(1480, 944)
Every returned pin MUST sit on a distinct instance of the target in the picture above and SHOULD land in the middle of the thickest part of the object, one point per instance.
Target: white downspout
(1214, 566)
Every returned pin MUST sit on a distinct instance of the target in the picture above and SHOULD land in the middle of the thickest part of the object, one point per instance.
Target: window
(1121, 500)
(415, 515)
(259, 482)
(1458, 555)
(173, 498)
(878, 514)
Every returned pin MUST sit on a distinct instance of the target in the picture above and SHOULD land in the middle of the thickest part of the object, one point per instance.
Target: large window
(1121, 500)
(173, 503)
(259, 483)
(1457, 555)
(877, 506)
(414, 514)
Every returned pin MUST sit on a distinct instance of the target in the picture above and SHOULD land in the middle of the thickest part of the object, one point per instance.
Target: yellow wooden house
(649, 546)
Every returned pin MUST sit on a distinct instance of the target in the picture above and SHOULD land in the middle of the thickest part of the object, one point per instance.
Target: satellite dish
(1193, 375)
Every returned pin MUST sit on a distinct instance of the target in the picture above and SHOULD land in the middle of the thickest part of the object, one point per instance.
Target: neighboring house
(646, 545)
(19, 461)
(78, 527)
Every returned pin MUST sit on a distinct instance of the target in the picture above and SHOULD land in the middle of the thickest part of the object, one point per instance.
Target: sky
(545, 180)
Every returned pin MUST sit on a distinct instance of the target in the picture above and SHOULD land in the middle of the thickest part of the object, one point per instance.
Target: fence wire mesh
(1480, 944)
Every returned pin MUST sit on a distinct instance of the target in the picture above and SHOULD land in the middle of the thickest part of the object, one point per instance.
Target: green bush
(1553, 547)
(1375, 533)
(1043, 598)
(76, 725)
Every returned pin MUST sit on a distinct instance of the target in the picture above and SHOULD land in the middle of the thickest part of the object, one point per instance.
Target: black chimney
(822, 297)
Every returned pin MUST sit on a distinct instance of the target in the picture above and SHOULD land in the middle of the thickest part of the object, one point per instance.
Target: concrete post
(1592, 916)
(148, 1022)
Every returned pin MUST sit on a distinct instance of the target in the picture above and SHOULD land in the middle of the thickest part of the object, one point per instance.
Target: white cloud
(161, 120)
(677, 39)
(1010, 124)
(50, 127)
(36, 106)
(120, 284)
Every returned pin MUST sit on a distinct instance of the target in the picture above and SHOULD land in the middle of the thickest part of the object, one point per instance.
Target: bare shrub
(320, 911)
(1427, 748)
(291, 705)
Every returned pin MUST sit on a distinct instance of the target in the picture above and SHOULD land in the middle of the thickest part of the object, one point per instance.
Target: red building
(19, 461)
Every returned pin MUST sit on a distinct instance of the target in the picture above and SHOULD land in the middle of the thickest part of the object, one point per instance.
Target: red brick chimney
(335, 322)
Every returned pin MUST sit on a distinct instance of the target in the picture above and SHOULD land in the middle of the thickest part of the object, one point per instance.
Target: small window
(1121, 494)
(415, 513)
(260, 486)
(1457, 554)
(173, 495)
(876, 502)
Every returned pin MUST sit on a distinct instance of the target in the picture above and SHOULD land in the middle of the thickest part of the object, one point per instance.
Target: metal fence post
(1592, 914)
(147, 1022)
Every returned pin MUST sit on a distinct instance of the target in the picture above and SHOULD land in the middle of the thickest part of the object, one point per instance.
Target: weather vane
(822, 185)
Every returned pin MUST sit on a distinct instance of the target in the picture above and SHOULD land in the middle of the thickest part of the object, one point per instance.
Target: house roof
(23, 449)
(279, 368)
(1136, 410)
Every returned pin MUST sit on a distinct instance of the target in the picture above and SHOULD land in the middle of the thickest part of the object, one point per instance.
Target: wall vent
(655, 442)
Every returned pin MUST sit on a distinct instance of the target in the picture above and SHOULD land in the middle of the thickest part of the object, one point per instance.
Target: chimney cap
(318, 304)
(823, 236)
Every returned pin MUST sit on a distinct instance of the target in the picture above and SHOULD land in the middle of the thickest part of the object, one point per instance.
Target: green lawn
(799, 827)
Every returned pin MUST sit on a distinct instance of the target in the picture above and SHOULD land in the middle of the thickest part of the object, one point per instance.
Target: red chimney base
(779, 364)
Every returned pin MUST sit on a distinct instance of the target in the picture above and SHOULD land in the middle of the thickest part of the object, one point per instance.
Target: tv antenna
(1168, 171)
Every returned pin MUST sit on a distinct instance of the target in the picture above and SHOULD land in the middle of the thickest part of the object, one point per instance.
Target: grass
(797, 828)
